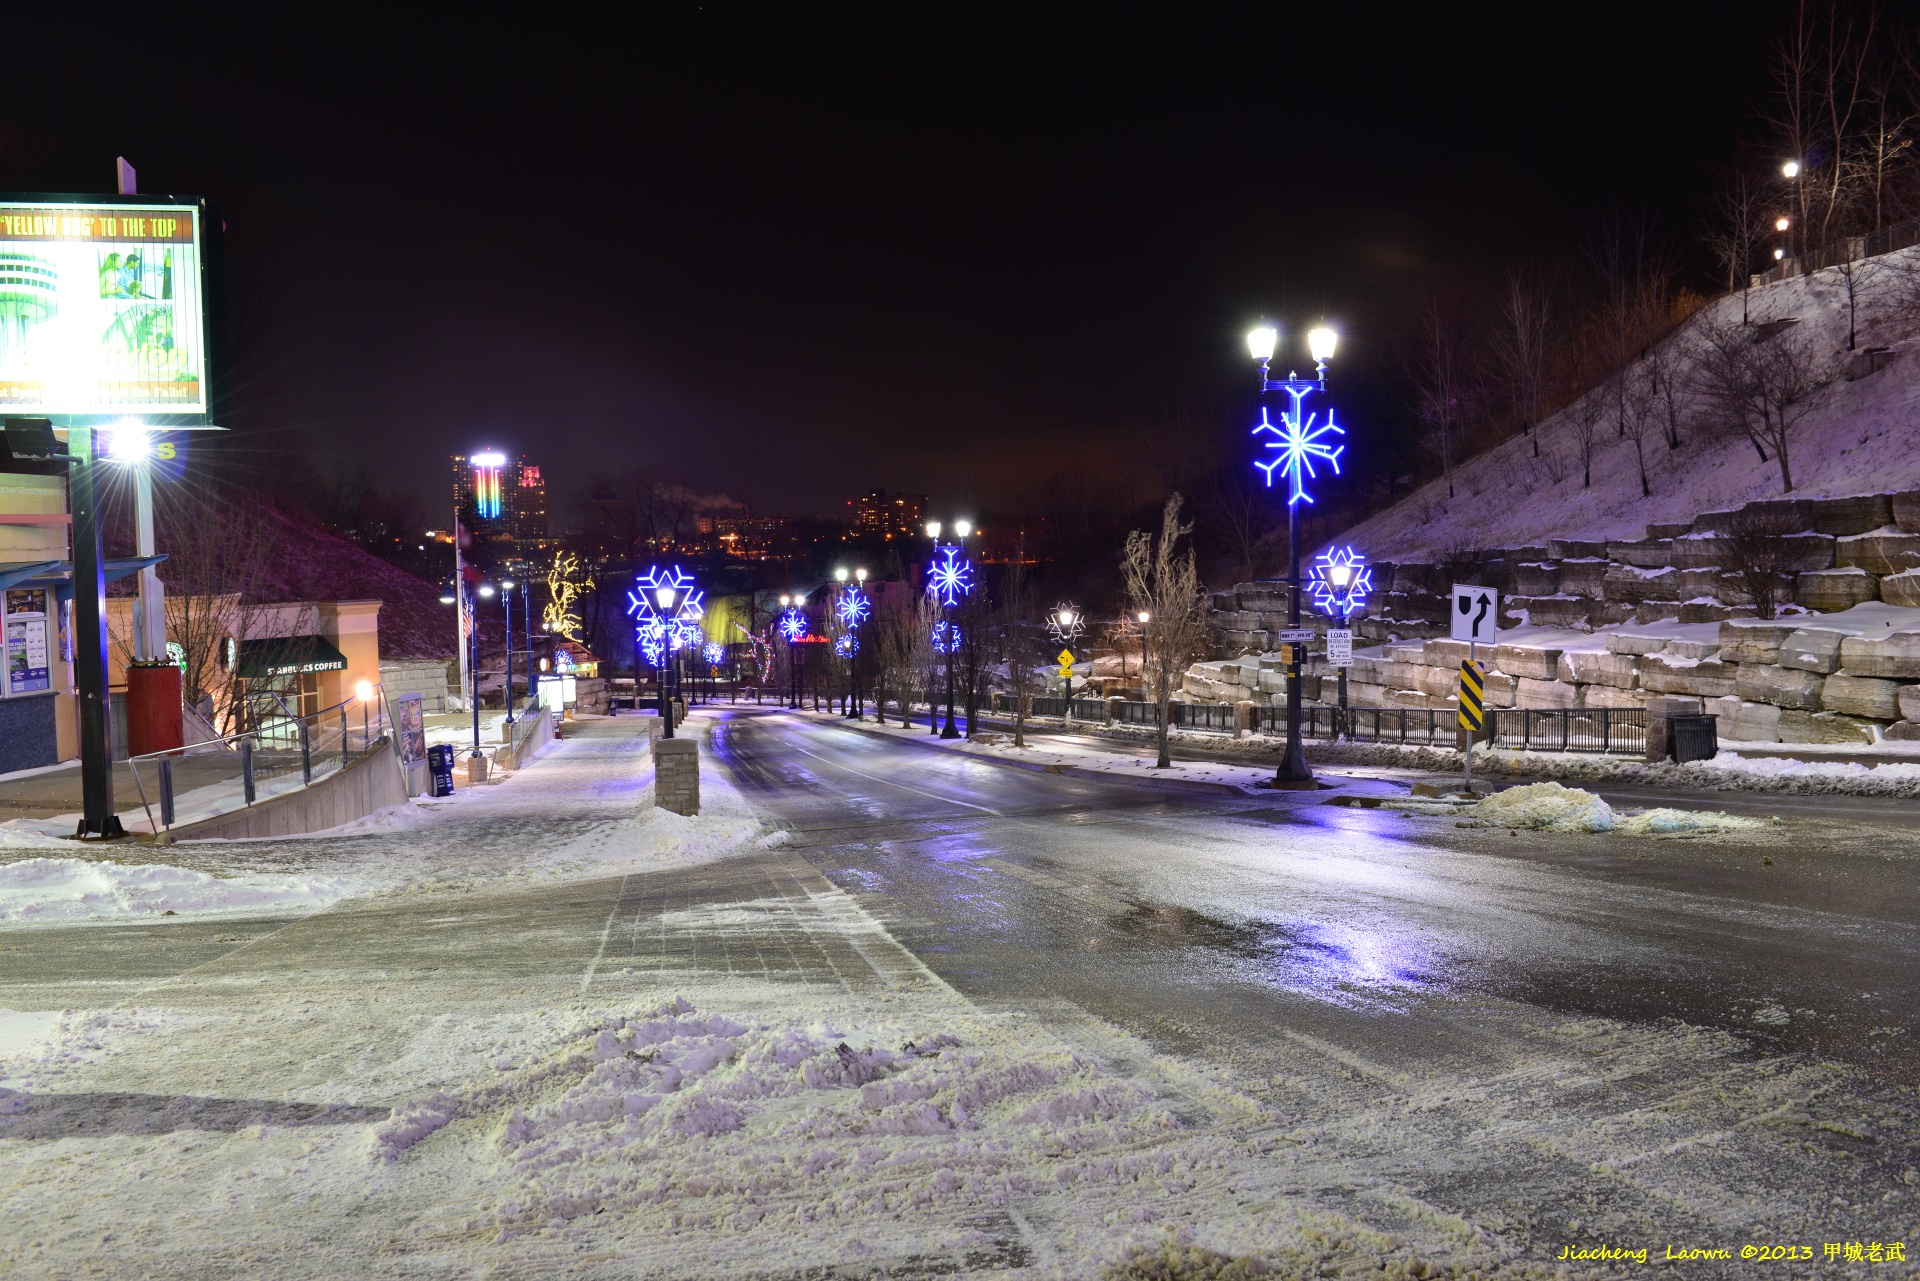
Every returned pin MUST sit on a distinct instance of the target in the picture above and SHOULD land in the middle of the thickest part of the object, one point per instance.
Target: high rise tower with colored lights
(502, 494)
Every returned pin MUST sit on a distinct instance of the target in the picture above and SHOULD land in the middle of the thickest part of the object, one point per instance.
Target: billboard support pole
(90, 641)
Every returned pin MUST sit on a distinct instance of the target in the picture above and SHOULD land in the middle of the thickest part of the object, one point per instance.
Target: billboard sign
(101, 308)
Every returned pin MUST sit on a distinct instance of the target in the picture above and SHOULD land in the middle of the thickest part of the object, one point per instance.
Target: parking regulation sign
(1339, 647)
(1474, 612)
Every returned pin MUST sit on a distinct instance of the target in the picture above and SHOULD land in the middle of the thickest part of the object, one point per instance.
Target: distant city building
(878, 513)
(503, 496)
(749, 537)
(530, 527)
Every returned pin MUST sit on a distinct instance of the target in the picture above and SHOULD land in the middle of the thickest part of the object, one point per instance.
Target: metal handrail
(245, 740)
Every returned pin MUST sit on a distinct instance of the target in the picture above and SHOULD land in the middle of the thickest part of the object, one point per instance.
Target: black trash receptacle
(440, 767)
(1695, 738)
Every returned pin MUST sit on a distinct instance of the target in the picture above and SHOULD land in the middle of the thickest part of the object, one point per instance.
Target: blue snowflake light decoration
(793, 626)
(1341, 581)
(847, 646)
(1299, 443)
(950, 578)
(714, 652)
(645, 599)
(853, 608)
(946, 637)
(651, 636)
(659, 632)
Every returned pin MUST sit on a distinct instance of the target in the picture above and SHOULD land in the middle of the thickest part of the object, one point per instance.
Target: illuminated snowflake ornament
(1065, 622)
(946, 637)
(847, 646)
(1341, 581)
(853, 608)
(793, 626)
(1299, 444)
(950, 578)
(714, 652)
(661, 628)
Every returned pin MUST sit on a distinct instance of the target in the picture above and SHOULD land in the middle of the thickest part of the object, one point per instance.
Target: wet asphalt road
(1211, 921)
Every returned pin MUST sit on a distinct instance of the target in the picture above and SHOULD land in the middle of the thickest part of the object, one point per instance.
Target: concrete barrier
(370, 783)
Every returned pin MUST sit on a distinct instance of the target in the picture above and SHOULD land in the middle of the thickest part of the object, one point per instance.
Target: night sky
(793, 256)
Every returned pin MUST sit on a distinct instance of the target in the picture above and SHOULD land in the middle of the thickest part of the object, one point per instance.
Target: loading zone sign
(1473, 613)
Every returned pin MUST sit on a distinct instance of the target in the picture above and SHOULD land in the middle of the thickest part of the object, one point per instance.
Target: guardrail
(282, 755)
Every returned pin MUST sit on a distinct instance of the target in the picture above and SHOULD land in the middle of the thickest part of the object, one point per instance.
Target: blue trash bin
(440, 766)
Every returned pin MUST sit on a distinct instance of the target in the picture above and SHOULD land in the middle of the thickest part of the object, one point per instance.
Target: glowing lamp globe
(933, 529)
(363, 690)
(486, 589)
(840, 574)
(1340, 574)
(1780, 224)
(1262, 341)
(1778, 254)
(1145, 617)
(1321, 341)
(664, 596)
(446, 598)
(961, 528)
(1791, 169)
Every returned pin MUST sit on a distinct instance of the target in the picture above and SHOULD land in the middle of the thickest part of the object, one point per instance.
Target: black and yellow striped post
(1473, 704)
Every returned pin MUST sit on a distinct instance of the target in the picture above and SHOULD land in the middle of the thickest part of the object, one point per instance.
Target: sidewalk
(1124, 762)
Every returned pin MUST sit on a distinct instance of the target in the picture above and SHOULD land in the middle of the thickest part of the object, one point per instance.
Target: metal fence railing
(1424, 725)
(282, 753)
(1844, 249)
(1591, 729)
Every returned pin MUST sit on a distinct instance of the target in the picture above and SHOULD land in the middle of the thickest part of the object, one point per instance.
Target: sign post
(1340, 658)
(1474, 616)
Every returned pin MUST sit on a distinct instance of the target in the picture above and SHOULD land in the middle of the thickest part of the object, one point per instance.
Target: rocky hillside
(1858, 436)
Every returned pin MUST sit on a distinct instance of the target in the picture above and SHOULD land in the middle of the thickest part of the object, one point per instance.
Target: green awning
(288, 656)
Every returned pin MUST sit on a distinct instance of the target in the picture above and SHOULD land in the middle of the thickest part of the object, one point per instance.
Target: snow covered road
(889, 1014)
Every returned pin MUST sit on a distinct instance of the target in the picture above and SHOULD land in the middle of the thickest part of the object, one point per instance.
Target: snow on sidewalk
(583, 810)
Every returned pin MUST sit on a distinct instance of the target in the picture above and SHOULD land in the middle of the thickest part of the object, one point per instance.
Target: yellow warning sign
(1064, 658)
(1473, 696)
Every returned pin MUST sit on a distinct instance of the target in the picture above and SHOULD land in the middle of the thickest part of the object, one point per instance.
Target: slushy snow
(1550, 807)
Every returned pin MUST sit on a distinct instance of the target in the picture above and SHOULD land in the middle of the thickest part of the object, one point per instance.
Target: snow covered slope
(1859, 438)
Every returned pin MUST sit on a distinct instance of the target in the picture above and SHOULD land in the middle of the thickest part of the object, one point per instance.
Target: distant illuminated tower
(487, 501)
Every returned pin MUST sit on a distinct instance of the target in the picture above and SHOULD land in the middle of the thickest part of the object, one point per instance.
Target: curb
(1091, 775)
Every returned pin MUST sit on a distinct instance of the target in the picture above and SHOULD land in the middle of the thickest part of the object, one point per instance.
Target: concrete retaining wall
(370, 783)
(427, 677)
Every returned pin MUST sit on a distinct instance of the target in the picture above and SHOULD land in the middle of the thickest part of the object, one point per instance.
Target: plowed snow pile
(682, 1122)
(1550, 807)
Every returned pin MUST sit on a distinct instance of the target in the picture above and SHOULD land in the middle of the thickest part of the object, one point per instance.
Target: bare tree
(1724, 382)
(1440, 379)
(1761, 555)
(1635, 404)
(1021, 638)
(1520, 347)
(1667, 367)
(1786, 375)
(1163, 581)
(1735, 232)
(1583, 418)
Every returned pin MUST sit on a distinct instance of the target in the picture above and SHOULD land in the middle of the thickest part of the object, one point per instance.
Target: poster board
(29, 660)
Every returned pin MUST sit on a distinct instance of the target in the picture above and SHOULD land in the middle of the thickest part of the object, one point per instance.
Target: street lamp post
(852, 609)
(482, 590)
(1066, 622)
(950, 579)
(506, 601)
(1299, 443)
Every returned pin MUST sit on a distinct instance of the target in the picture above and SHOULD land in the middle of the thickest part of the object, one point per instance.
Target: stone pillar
(476, 770)
(676, 775)
(1660, 714)
(1112, 702)
(1244, 712)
